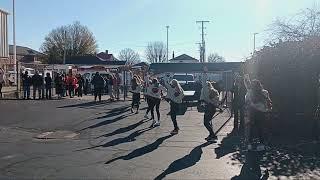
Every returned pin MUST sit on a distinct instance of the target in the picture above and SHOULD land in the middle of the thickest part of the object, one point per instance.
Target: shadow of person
(130, 138)
(251, 169)
(123, 129)
(106, 122)
(86, 104)
(143, 150)
(115, 112)
(185, 162)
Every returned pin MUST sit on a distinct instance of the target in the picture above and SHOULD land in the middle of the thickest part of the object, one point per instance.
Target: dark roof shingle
(183, 57)
(24, 51)
(91, 60)
(194, 67)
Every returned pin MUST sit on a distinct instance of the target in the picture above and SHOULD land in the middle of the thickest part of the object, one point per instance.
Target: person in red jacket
(71, 84)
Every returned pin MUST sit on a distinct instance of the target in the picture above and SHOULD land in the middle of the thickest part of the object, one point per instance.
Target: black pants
(79, 92)
(238, 123)
(256, 126)
(135, 100)
(148, 103)
(210, 110)
(35, 88)
(97, 93)
(0, 89)
(155, 103)
(48, 93)
(173, 113)
(71, 90)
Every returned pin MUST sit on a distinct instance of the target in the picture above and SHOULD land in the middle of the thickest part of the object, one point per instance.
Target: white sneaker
(156, 124)
(146, 116)
(153, 123)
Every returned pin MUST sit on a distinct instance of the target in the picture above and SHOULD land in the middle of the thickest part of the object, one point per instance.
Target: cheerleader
(156, 90)
(175, 95)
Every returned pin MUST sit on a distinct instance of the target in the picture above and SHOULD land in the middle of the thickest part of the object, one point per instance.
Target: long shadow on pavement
(87, 104)
(279, 160)
(115, 112)
(130, 138)
(106, 122)
(123, 129)
(142, 151)
(185, 162)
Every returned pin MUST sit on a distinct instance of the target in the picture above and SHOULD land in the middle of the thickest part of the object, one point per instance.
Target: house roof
(194, 67)
(106, 56)
(141, 64)
(183, 57)
(24, 51)
(91, 60)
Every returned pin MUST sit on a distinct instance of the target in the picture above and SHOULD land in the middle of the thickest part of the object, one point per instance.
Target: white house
(184, 59)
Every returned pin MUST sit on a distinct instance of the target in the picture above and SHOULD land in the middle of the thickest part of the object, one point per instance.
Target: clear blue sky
(119, 24)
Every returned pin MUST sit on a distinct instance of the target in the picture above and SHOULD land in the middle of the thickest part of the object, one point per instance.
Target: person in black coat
(37, 82)
(98, 83)
(48, 86)
(26, 83)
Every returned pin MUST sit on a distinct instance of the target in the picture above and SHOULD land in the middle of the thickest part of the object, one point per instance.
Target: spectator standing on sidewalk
(80, 85)
(1, 81)
(98, 83)
(259, 103)
(71, 83)
(48, 86)
(175, 97)
(210, 97)
(26, 83)
(117, 83)
(110, 86)
(37, 82)
(58, 84)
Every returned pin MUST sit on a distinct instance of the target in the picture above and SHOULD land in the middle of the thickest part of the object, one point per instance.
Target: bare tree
(215, 58)
(303, 25)
(73, 40)
(129, 55)
(156, 52)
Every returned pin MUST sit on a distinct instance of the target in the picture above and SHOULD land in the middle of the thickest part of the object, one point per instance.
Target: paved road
(75, 138)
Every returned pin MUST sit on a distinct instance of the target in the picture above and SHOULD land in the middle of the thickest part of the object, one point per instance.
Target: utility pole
(16, 64)
(200, 50)
(167, 43)
(254, 42)
(203, 49)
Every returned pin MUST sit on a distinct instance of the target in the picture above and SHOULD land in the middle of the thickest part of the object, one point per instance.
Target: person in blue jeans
(26, 82)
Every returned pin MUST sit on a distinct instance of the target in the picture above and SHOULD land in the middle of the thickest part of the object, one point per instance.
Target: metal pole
(16, 65)
(167, 43)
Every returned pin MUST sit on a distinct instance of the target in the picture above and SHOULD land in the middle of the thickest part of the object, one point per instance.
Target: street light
(254, 42)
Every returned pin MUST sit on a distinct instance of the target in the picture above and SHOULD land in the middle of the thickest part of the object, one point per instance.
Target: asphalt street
(73, 139)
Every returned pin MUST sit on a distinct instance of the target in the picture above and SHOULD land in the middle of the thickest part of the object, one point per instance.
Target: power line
(203, 44)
